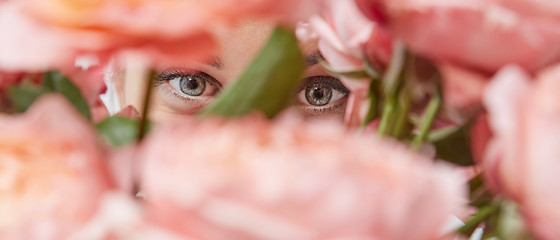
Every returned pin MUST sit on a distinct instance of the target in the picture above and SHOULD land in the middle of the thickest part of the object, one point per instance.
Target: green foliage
(269, 84)
(119, 131)
(453, 144)
(23, 96)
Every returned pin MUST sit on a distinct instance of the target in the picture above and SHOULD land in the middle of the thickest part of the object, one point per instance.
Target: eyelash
(168, 75)
(336, 84)
(332, 82)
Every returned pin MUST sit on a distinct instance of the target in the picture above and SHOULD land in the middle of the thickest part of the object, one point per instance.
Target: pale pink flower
(27, 46)
(167, 32)
(522, 160)
(481, 34)
(52, 171)
(346, 39)
(289, 179)
(162, 32)
(462, 88)
(121, 216)
(23, 51)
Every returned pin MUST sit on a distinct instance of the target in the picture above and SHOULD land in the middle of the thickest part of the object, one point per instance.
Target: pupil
(318, 95)
(193, 85)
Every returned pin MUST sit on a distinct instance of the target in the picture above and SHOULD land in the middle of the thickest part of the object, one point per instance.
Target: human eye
(182, 92)
(322, 96)
(190, 84)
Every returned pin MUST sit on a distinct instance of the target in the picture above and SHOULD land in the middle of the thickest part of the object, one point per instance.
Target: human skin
(237, 48)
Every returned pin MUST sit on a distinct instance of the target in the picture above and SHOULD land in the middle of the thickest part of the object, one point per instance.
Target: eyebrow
(313, 59)
(310, 60)
(217, 63)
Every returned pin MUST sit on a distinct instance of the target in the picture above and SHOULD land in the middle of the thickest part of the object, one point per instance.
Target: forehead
(240, 44)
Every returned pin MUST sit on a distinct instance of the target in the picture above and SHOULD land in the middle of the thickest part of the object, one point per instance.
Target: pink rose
(21, 48)
(481, 34)
(290, 179)
(522, 160)
(52, 171)
(462, 88)
(164, 33)
(160, 31)
(346, 39)
(121, 217)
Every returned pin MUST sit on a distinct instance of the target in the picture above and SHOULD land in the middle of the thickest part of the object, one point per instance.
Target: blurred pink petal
(346, 39)
(462, 88)
(522, 159)
(52, 171)
(21, 48)
(480, 137)
(345, 35)
(90, 82)
(481, 34)
(10, 78)
(155, 30)
(98, 111)
(171, 32)
(290, 179)
(121, 217)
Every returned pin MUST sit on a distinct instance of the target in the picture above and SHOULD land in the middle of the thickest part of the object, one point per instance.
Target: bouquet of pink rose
(451, 124)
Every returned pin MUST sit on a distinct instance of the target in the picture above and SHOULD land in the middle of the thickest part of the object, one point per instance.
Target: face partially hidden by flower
(522, 160)
(345, 39)
(185, 89)
(51, 171)
(289, 179)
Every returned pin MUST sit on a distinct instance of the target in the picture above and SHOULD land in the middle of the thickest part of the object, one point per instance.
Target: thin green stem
(146, 108)
(482, 214)
(370, 68)
(373, 102)
(402, 115)
(427, 121)
(391, 84)
(385, 125)
(393, 74)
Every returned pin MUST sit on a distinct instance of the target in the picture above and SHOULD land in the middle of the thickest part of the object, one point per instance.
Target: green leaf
(119, 131)
(453, 145)
(23, 97)
(60, 84)
(269, 84)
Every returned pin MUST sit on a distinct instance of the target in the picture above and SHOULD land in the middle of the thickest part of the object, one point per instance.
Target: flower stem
(146, 107)
(482, 214)
(391, 85)
(385, 125)
(402, 114)
(373, 102)
(427, 121)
